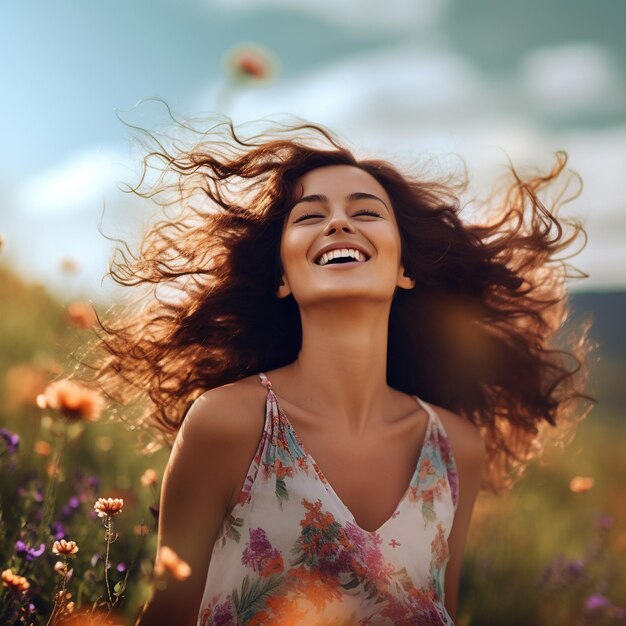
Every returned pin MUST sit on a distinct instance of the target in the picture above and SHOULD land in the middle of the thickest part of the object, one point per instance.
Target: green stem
(108, 525)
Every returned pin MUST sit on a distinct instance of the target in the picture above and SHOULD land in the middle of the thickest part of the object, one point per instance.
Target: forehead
(340, 181)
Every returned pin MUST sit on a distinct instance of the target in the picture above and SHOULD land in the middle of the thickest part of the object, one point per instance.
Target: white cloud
(576, 78)
(368, 15)
(77, 184)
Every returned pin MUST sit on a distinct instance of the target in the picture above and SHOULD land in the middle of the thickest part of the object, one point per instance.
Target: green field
(541, 555)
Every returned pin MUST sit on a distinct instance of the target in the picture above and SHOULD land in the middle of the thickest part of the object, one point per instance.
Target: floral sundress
(290, 552)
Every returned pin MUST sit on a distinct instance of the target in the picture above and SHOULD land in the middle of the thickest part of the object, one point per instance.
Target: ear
(404, 280)
(283, 288)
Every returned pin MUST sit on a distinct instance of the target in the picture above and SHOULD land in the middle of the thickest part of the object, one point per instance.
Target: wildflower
(81, 314)
(168, 562)
(23, 382)
(596, 601)
(14, 582)
(73, 401)
(108, 507)
(251, 63)
(43, 448)
(141, 530)
(60, 568)
(68, 266)
(57, 530)
(580, 484)
(149, 478)
(12, 440)
(604, 522)
(30, 554)
(65, 548)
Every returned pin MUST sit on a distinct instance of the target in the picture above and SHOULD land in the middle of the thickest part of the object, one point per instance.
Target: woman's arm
(468, 449)
(198, 484)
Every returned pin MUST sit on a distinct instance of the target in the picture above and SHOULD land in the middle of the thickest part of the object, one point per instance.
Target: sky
(400, 79)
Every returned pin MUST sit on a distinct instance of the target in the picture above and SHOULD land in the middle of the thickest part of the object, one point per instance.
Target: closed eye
(307, 216)
(368, 212)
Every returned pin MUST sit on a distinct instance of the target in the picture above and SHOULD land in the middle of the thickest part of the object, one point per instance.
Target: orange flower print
(427, 469)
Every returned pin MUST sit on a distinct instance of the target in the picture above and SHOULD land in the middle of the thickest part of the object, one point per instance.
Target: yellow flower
(168, 562)
(14, 582)
(108, 507)
(580, 484)
(149, 478)
(65, 548)
(73, 401)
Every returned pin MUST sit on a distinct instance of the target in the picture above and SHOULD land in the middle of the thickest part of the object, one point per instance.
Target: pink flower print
(368, 560)
(394, 544)
(260, 556)
(220, 614)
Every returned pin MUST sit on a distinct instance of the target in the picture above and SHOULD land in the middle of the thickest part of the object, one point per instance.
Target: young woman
(356, 358)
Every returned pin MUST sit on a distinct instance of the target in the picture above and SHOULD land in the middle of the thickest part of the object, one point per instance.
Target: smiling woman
(341, 354)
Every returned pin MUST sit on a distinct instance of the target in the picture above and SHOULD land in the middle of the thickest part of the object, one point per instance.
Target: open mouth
(341, 255)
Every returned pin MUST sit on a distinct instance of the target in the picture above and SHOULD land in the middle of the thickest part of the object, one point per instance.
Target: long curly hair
(482, 333)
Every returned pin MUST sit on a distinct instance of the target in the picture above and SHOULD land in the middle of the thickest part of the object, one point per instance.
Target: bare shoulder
(465, 439)
(230, 413)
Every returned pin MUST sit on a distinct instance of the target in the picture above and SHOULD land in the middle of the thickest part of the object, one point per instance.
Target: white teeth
(342, 253)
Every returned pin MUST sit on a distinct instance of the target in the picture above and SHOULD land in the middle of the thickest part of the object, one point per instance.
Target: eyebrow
(357, 195)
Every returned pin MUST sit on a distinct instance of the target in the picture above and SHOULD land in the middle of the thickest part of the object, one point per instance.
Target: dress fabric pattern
(290, 552)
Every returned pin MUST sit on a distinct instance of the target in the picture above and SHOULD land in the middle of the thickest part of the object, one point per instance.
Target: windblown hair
(480, 333)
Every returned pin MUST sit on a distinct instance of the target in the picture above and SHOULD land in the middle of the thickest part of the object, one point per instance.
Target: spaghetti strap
(265, 381)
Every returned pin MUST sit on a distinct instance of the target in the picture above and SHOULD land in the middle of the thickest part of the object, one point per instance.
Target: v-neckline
(328, 485)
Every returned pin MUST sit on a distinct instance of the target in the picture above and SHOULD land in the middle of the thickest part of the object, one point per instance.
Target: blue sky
(399, 79)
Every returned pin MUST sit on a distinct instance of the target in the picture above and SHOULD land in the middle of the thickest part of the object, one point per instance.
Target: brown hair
(479, 334)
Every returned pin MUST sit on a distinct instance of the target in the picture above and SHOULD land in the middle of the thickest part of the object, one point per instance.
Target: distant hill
(607, 310)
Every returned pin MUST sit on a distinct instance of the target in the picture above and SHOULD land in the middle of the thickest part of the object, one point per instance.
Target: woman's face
(341, 239)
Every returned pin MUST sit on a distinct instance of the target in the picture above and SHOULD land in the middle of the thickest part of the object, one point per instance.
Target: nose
(338, 222)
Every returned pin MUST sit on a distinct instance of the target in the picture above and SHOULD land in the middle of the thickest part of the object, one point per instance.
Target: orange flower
(580, 484)
(149, 478)
(14, 582)
(65, 548)
(68, 266)
(73, 401)
(168, 562)
(81, 314)
(43, 448)
(251, 63)
(141, 530)
(108, 507)
(23, 383)
(272, 566)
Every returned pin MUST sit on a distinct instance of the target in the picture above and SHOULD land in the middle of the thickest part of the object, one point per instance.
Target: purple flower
(596, 601)
(121, 567)
(11, 439)
(30, 554)
(258, 550)
(223, 615)
(604, 522)
(57, 530)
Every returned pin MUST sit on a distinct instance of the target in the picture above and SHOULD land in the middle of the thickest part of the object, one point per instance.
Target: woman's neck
(344, 353)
